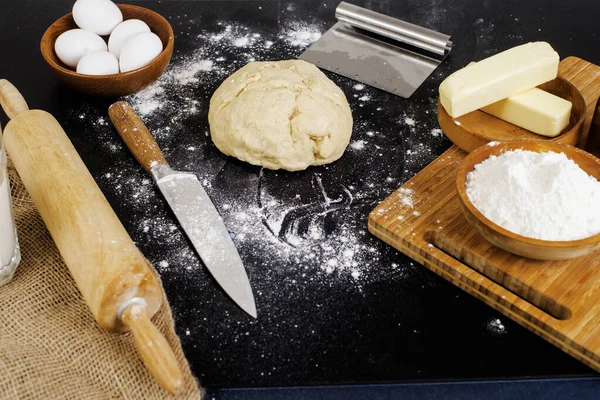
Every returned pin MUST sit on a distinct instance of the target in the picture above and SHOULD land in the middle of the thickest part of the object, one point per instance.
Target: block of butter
(535, 110)
(497, 77)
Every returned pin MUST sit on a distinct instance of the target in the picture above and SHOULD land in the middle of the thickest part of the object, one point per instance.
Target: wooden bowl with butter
(510, 241)
(477, 128)
(120, 84)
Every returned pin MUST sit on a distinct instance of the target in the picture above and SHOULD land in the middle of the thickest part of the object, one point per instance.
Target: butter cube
(498, 77)
(535, 110)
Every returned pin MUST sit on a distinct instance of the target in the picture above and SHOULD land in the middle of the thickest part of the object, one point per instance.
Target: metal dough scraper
(378, 50)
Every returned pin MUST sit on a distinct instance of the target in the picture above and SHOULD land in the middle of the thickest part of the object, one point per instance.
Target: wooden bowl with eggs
(477, 128)
(512, 242)
(120, 84)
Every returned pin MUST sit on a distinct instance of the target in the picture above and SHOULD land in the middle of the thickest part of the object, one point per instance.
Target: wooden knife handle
(12, 101)
(154, 349)
(135, 135)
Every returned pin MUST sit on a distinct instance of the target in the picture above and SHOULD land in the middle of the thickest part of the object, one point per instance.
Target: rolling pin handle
(11, 99)
(153, 347)
(136, 135)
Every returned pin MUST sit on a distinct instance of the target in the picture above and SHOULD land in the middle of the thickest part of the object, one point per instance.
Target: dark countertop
(392, 321)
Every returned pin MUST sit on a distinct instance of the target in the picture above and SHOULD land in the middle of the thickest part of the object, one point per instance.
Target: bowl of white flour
(533, 198)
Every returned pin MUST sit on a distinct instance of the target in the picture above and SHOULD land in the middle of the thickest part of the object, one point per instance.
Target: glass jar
(10, 255)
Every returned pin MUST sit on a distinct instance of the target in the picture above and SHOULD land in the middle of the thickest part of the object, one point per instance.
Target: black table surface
(396, 322)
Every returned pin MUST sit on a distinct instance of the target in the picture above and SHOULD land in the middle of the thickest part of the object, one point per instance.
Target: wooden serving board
(558, 300)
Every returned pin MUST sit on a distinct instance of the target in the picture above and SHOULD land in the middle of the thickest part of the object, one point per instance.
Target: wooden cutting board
(558, 300)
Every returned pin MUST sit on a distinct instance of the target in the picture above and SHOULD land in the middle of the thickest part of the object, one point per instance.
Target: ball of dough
(280, 114)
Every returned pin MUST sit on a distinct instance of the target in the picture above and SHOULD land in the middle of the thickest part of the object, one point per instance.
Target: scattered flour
(496, 326)
(358, 144)
(241, 42)
(299, 232)
(436, 132)
(406, 196)
(296, 232)
(301, 35)
(185, 76)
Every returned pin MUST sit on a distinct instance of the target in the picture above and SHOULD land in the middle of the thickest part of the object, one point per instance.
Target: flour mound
(543, 196)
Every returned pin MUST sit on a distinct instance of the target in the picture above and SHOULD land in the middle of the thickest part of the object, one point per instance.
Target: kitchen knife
(193, 208)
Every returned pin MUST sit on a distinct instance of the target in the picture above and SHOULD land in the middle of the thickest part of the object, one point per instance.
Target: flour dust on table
(496, 327)
(301, 235)
(318, 232)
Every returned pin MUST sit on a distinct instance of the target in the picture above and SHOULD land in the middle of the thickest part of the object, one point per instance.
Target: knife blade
(190, 203)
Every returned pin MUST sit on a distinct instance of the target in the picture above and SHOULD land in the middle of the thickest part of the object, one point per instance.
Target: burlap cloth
(50, 345)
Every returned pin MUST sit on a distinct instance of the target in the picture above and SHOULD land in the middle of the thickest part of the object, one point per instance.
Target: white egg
(98, 16)
(71, 45)
(98, 63)
(139, 51)
(122, 32)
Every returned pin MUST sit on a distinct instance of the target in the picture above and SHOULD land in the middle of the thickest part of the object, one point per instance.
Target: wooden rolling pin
(112, 275)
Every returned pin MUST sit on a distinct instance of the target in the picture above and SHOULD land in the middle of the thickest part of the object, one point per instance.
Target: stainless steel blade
(381, 51)
(205, 228)
(356, 56)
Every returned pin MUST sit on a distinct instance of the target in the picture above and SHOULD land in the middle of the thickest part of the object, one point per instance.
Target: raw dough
(280, 114)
